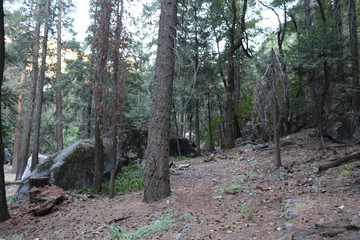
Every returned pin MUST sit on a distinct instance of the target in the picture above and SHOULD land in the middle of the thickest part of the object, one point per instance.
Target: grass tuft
(159, 225)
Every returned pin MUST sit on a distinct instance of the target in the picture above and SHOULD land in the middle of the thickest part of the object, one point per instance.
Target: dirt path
(238, 196)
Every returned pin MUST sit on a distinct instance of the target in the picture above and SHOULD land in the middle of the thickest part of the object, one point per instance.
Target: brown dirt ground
(202, 208)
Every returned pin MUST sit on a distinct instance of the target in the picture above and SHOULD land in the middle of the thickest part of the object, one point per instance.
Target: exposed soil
(270, 204)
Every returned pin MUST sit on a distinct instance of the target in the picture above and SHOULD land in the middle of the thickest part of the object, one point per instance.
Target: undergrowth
(159, 225)
(177, 159)
(234, 187)
(9, 199)
(346, 170)
(130, 179)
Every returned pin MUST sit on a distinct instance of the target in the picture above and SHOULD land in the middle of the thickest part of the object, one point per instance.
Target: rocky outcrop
(344, 128)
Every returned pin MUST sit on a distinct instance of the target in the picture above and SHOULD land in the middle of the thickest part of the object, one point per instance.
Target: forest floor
(239, 195)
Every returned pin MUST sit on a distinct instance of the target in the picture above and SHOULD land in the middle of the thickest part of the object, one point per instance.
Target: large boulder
(135, 141)
(344, 128)
(70, 169)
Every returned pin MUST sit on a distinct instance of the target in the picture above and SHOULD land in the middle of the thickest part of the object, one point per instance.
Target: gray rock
(287, 224)
(241, 158)
(283, 177)
(250, 192)
(217, 180)
(290, 213)
(284, 238)
(259, 147)
(187, 217)
(343, 128)
(70, 169)
(289, 202)
(183, 233)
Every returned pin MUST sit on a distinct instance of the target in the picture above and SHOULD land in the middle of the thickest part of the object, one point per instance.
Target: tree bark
(40, 92)
(4, 213)
(354, 56)
(197, 127)
(339, 28)
(211, 140)
(101, 50)
(116, 96)
(25, 140)
(58, 97)
(157, 173)
(15, 162)
(276, 108)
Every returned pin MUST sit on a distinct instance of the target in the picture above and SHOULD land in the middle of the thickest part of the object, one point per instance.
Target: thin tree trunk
(221, 114)
(40, 92)
(339, 28)
(157, 173)
(25, 140)
(354, 56)
(15, 162)
(4, 213)
(197, 127)
(211, 140)
(276, 108)
(99, 156)
(177, 132)
(58, 98)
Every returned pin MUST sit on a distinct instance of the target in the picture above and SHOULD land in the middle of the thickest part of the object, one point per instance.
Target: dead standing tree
(270, 91)
(100, 48)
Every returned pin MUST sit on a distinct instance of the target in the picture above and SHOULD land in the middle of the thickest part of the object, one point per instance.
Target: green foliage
(9, 199)
(15, 237)
(159, 225)
(178, 158)
(234, 187)
(346, 170)
(130, 179)
(83, 191)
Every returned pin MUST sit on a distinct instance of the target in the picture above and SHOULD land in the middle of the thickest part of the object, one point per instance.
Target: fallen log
(46, 207)
(338, 161)
(12, 183)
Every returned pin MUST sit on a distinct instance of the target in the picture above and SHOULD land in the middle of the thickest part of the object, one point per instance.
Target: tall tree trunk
(4, 213)
(235, 43)
(101, 48)
(157, 173)
(339, 28)
(116, 96)
(40, 92)
(354, 56)
(197, 126)
(276, 108)
(58, 98)
(15, 162)
(307, 16)
(25, 139)
(211, 140)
